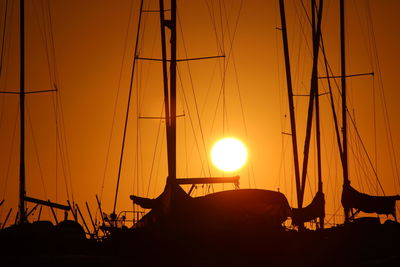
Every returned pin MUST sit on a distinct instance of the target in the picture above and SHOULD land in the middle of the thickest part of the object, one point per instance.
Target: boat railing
(126, 218)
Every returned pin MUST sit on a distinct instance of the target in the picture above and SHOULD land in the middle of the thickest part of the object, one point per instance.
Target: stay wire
(155, 152)
(3, 41)
(115, 104)
(195, 104)
(251, 168)
(58, 107)
(193, 127)
(14, 135)
(36, 150)
(2, 55)
(383, 98)
(128, 105)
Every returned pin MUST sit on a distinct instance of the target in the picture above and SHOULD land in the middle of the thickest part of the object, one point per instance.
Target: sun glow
(229, 154)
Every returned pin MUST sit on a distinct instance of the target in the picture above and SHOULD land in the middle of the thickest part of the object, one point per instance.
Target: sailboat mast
(169, 89)
(172, 66)
(22, 115)
(316, 38)
(290, 98)
(344, 107)
(316, 33)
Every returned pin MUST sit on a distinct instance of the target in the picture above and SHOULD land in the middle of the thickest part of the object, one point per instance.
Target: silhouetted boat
(351, 198)
(28, 237)
(249, 217)
(244, 226)
(174, 207)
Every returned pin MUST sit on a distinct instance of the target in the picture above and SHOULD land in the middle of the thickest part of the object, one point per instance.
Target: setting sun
(229, 154)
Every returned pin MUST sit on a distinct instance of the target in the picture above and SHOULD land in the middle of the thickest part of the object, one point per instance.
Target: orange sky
(93, 72)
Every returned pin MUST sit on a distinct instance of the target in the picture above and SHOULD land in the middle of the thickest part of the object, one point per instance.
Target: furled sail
(316, 209)
(351, 198)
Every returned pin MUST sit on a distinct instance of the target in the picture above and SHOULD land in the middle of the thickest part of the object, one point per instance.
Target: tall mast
(344, 107)
(169, 93)
(290, 98)
(22, 115)
(315, 82)
(316, 36)
(172, 166)
(316, 32)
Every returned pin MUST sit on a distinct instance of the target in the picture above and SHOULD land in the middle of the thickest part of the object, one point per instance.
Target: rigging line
(370, 53)
(241, 101)
(214, 24)
(142, 71)
(3, 37)
(42, 27)
(36, 149)
(335, 120)
(65, 166)
(192, 124)
(329, 156)
(52, 56)
(323, 50)
(11, 151)
(365, 151)
(155, 151)
(53, 49)
(2, 58)
(367, 40)
(222, 31)
(53, 83)
(251, 167)
(224, 69)
(52, 44)
(328, 220)
(140, 95)
(63, 146)
(56, 107)
(231, 40)
(45, 36)
(57, 103)
(195, 103)
(128, 105)
(115, 103)
(48, 38)
(383, 97)
(8, 46)
(226, 61)
(308, 19)
(362, 170)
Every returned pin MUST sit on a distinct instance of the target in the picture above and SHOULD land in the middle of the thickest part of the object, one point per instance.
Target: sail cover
(351, 198)
(244, 206)
(227, 208)
(316, 209)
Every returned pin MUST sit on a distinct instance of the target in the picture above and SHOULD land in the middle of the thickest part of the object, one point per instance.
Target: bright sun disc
(229, 154)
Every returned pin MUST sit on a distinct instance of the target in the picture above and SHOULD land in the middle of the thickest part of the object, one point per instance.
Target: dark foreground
(362, 243)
